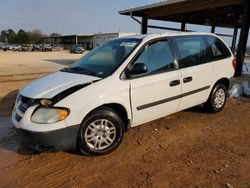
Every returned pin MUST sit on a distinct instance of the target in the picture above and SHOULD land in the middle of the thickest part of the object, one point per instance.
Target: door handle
(187, 79)
(174, 83)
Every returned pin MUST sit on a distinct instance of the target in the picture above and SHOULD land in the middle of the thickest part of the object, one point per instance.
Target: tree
(22, 37)
(35, 36)
(11, 35)
(4, 36)
(8, 36)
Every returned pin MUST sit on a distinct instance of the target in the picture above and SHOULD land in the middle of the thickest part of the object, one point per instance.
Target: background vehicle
(2, 46)
(77, 49)
(46, 47)
(123, 83)
(8, 47)
(27, 47)
(16, 47)
(37, 47)
(56, 47)
(42, 47)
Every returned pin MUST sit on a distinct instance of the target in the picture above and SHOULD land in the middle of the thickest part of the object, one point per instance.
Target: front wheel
(217, 99)
(101, 132)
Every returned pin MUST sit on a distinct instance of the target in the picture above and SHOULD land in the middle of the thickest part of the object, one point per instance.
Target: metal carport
(215, 13)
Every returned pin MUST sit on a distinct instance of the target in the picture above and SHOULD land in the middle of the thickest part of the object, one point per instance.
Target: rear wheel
(101, 132)
(217, 99)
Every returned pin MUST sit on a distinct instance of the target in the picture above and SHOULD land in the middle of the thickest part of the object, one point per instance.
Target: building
(88, 41)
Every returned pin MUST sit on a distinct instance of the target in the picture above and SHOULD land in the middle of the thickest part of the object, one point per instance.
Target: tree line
(24, 37)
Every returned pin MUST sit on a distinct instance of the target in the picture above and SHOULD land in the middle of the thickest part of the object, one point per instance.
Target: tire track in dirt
(172, 151)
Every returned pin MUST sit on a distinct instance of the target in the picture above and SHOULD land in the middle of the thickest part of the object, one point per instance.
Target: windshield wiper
(79, 70)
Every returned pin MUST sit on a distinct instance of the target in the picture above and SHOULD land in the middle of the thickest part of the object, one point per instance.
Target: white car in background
(16, 47)
(123, 83)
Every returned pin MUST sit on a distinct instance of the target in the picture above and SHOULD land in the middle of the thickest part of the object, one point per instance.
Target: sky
(79, 17)
(68, 16)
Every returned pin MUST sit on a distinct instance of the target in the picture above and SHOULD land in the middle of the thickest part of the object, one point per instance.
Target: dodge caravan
(123, 83)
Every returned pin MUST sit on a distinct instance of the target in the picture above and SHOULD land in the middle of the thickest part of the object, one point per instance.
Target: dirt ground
(188, 149)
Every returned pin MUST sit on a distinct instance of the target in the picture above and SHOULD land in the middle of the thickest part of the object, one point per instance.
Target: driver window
(157, 57)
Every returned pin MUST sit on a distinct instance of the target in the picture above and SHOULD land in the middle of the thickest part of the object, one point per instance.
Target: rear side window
(192, 50)
(218, 48)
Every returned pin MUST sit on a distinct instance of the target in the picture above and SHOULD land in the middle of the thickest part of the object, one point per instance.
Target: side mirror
(138, 68)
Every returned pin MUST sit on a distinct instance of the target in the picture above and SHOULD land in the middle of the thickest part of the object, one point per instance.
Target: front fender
(87, 99)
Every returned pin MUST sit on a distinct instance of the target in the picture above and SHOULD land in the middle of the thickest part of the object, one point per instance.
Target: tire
(217, 99)
(101, 132)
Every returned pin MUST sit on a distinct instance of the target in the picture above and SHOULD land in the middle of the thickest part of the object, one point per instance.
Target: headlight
(49, 115)
(45, 102)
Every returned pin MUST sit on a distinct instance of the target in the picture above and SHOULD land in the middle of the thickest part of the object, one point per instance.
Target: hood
(52, 84)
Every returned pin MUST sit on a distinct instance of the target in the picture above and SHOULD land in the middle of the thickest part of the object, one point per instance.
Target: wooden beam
(186, 7)
(243, 38)
(234, 39)
(183, 26)
(213, 29)
(144, 25)
(226, 17)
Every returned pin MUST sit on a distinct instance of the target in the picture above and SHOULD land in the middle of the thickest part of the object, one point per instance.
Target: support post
(234, 39)
(183, 26)
(243, 38)
(76, 40)
(213, 29)
(144, 25)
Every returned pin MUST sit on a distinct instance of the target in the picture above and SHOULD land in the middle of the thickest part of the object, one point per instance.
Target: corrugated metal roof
(225, 13)
(154, 5)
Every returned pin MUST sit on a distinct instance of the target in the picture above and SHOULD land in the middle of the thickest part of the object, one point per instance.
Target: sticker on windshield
(128, 44)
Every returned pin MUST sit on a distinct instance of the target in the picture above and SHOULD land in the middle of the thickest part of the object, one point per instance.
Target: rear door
(156, 93)
(196, 71)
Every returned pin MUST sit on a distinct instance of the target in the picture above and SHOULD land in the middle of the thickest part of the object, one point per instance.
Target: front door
(156, 93)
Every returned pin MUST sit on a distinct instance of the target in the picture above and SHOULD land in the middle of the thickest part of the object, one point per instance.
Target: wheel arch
(119, 109)
(225, 81)
(209, 104)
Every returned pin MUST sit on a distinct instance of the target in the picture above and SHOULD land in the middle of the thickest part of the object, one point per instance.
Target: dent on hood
(56, 83)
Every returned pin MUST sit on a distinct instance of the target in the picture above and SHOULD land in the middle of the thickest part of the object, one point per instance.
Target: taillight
(234, 63)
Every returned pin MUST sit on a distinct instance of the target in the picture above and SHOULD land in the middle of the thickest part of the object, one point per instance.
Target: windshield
(105, 59)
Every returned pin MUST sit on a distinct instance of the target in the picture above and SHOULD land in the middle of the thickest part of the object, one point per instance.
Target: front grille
(17, 117)
(22, 104)
(23, 107)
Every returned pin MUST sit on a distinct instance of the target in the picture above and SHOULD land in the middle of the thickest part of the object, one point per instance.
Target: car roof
(166, 34)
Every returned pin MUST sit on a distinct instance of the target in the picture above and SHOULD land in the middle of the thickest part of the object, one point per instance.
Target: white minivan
(123, 83)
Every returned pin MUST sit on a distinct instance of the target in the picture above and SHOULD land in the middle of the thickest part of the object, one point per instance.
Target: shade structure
(215, 13)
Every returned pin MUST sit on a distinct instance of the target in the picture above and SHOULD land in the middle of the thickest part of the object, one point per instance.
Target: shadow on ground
(197, 109)
(7, 103)
(9, 138)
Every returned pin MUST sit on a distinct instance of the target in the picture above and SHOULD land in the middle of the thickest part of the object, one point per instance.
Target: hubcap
(219, 98)
(100, 134)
